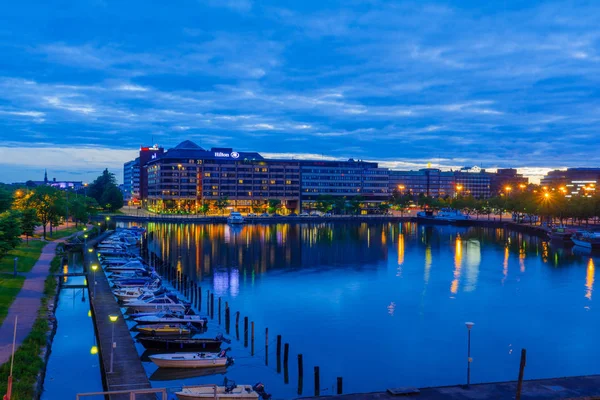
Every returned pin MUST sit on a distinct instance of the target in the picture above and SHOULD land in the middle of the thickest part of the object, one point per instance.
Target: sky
(83, 84)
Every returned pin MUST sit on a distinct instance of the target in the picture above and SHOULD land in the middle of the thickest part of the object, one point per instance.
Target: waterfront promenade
(579, 387)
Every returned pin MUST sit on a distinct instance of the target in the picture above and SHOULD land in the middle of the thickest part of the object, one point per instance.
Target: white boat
(134, 293)
(451, 215)
(235, 218)
(191, 360)
(129, 266)
(589, 240)
(172, 318)
(167, 302)
(208, 392)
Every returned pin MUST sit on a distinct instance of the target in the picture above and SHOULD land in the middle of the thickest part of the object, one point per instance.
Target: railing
(133, 393)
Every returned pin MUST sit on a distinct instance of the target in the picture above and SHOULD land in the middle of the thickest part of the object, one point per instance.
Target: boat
(561, 234)
(154, 288)
(173, 374)
(172, 318)
(445, 215)
(167, 301)
(589, 240)
(180, 344)
(191, 360)
(235, 218)
(165, 329)
(229, 391)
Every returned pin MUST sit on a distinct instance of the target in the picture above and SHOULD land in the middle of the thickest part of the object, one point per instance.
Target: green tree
(383, 207)
(46, 200)
(29, 221)
(112, 199)
(324, 203)
(10, 231)
(221, 203)
(6, 200)
(356, 204)
(106, 192)
(273, 205)
(204, 208)
(340, 205)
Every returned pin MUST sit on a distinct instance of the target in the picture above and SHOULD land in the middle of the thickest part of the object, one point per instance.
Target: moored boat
(235, 218)
(178, 344)
(165, 330)
(191, 360)
(589, 240)
(229, 391)
(171, 318)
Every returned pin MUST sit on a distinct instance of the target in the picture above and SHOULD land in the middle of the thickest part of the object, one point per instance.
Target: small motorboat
(165, 330)
(229, 391)
(192, 360)
(178, 344)
(167, 301)
(173, 374)
(172, 318)
(235, 218)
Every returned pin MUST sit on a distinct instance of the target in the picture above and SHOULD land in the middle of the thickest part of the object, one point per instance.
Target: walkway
(27, 303)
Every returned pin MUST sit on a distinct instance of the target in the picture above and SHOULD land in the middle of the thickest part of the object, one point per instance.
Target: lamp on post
(85, 236)
(107, 219)
(469, 359)
(94, 268)
(113, 318)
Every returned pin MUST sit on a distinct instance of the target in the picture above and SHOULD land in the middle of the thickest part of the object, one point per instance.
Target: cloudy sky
(503, 83)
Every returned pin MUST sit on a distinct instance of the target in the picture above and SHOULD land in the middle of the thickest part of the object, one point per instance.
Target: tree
(383, 207)
(106, 192)
(324, 203)
(356, 204)
(204, 208)
(112, 199)
(6, 200)
(273, 205)
(340, 205)
(10, 231)
(46, 200)
(29, 221)
(221, 203)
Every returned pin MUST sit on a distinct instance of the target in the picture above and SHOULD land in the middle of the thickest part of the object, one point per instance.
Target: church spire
(45, 176)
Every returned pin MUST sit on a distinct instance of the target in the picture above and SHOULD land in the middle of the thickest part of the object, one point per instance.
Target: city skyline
(401, 84)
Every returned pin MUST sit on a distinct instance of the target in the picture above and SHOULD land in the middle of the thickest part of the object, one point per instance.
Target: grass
(63, 232)
(27, 358)
(9, 288)
(28, 255)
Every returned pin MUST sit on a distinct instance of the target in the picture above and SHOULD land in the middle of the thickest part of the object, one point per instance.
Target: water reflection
(589, 279)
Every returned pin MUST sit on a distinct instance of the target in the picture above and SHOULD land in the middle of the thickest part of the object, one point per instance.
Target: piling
(521, 373)
(278, 354)
(245, 331)
(208, 302)
(199, 298)
(227, 322)
(252, 338)
(339, 385)
(317, 382)
(286, 352)
(219, 311)
(212, 306)
(237, 325)
(300, 374)
(266, 346)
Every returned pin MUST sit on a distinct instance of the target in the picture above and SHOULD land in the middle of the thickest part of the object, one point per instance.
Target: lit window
(288, 182)
(241, 181)
(272, 182)
(207, 174)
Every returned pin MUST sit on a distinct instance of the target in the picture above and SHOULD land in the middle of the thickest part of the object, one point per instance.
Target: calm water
(73, 366)
(384, 305)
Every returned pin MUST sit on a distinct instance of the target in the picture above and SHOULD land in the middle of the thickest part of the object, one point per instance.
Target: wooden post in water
(237, 325)
(317, 382)
(199, 298)
(252, 338)
(266, 346)
(212, 306)
(521, 373)
(300, 374)
(286, 352)
(208, 302)
(339, 385)
(278, 354)
(245, 331)
(219, 311)
(227, 321)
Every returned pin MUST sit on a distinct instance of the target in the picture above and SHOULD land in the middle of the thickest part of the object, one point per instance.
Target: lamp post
(469, 359)
(107, 219)
(94, 268)
(85, 236)
(113, 318)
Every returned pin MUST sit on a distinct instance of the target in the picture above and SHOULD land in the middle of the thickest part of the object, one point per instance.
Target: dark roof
(188, 145)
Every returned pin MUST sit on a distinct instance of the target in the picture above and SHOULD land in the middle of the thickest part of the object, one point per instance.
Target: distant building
(474, 182)
(131, 180)
(63, 185)
(146, 155)
(428, 181)
(573, 181)
(506, 180)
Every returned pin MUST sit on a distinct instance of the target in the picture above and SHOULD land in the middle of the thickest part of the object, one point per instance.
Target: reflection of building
(507, 178)
(429, 182)
(575, 181)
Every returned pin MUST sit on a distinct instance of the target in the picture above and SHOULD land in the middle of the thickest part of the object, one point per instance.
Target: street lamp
(458, 189)
(508, 189)
(401, 188)
(469, 359)
(85, 236)
(113, 318)
(107, 219)
(94, 268)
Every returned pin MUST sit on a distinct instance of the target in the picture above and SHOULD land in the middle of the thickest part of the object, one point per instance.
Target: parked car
(264, 214)
(304, 214)
(293, 214)
(251, 215)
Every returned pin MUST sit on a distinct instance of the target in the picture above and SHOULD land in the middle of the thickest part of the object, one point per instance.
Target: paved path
(27, 303)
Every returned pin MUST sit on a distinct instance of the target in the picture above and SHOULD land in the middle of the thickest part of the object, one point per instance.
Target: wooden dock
(128, 372)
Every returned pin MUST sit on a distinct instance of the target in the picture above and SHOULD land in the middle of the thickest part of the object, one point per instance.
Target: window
(241, 181)
(207, 174)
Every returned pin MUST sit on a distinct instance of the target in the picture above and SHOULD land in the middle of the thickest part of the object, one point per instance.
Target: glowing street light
(94, 268)
(507, 189)
(113, 318)
(94, 350)
(469, 325)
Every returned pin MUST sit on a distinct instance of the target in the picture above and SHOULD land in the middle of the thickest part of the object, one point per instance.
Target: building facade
(573, 181)
(505, 180)
(474, 182)
(430, 182)
(131, 180)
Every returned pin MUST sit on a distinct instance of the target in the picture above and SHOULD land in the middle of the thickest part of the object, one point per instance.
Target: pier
(128, 372)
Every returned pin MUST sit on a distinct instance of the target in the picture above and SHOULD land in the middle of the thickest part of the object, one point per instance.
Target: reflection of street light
(94, 350)
(469, 359)
(113, 318)
(94, 268)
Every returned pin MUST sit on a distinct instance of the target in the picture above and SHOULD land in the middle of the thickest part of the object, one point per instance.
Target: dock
(128, 372)
(573, 388)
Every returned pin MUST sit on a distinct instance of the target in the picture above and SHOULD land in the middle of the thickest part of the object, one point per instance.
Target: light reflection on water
(402, 291)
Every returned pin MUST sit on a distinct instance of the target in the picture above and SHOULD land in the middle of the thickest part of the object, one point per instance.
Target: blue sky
(506, 83)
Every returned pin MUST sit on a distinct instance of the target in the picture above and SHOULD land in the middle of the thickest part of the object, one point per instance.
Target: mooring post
(339, 385)
(300, 374)
(521, 373)
(286, 352)
(208, 302)
(219, 311)
(245, 331)
(252, 338)
(212, 306)
(237, 325)
(317, 382)
(227, 321)
(199, 298)
(278, 353)
(266, 346)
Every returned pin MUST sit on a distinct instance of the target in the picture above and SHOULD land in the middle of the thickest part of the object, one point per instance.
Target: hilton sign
(233, 154)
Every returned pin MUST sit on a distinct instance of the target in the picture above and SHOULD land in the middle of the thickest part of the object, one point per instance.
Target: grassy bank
(9, 288)
(28, 362)
(28, 254)
(64, 232)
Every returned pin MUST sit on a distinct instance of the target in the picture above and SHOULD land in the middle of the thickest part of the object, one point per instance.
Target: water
(74, 365)
(385, 305)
